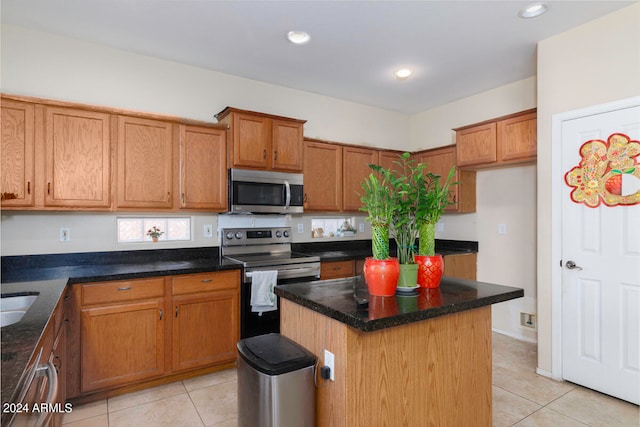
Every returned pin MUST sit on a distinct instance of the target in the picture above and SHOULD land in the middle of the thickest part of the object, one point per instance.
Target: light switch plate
(361, 227)
(208, 230)
(300, 228)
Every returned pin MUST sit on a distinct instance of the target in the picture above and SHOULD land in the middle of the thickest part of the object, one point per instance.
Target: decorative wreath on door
(608, 172)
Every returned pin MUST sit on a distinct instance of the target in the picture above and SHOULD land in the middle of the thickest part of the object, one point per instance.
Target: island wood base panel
(435, 372)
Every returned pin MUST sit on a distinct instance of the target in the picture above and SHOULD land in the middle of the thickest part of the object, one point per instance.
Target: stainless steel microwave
(257, 191)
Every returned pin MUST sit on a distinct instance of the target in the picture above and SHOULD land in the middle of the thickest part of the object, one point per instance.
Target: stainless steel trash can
(275, 383)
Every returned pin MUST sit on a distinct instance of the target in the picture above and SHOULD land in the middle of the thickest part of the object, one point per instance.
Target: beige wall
(51, 66)
(592, 64)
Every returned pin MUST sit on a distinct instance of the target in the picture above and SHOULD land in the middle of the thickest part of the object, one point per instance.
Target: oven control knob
(279, 233)
(238, 234)
(229, 235)
(286, 234)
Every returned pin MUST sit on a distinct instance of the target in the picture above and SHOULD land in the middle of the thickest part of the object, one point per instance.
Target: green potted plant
(409, 191)
(435, 201)
(380, 271)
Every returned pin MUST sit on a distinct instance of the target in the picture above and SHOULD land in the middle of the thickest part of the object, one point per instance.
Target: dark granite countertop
(50, 274)
(19, 340)
(336, 299)
(360, 249)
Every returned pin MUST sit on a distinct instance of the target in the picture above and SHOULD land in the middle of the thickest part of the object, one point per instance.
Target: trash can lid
(274, 354)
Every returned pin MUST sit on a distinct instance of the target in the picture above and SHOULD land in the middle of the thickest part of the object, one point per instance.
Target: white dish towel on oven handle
(262, 297)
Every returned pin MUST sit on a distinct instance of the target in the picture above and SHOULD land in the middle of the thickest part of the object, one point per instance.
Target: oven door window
(262, 194)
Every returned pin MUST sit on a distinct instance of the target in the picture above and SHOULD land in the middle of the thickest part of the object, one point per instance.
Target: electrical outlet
(65, 234)
(439, 227)
(300, 228)
(361, 228)
(208, 230)
(329, 361)
(502, 228)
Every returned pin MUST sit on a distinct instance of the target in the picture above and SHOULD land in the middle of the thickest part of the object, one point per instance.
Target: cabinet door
(323, 176)
(440, 162)
(477, 145)
(145, 174)
(121, 344)
(388, 159)
(205, 329)
(356, 161)
(251, 141)
(287, 145)
(203, 168)
(517, 138)
(78, 158)
(17, 154)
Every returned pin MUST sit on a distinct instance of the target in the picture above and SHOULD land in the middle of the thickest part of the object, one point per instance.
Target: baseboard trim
(515, 335)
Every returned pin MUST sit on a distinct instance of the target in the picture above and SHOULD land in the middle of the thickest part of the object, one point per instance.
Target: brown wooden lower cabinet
(121, 344)
(131, 332)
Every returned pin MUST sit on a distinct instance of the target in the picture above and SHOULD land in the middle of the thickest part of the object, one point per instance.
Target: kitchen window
(333, 227)
(134, 230)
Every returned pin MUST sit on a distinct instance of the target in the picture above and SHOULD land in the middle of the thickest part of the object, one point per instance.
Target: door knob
(572, 266)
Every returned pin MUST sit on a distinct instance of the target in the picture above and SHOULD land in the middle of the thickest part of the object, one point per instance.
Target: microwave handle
(287, 201)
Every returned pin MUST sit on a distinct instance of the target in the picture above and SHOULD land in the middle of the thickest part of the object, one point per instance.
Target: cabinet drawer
(337, 269)
(122, 290)
(205, 282)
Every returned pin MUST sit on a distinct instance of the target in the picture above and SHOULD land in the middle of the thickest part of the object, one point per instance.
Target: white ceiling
(457, 48)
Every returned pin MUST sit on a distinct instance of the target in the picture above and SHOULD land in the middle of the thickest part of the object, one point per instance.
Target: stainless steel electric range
(262, 249)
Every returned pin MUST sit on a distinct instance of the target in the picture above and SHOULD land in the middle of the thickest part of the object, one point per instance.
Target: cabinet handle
(59, 367)
(276, 155)
(169, 196)
(177, 311)
(160, 314)
(305, 197)
(48, 188)
(125, 289)
(206, 280)
(183, 199)
(28, 187)
(264, 154)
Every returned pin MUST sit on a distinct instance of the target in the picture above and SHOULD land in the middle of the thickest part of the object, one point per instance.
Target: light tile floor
(521, 398)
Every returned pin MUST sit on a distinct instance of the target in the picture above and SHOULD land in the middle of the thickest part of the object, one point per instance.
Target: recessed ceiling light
(533, 10)
(298, 37)
(403, 73)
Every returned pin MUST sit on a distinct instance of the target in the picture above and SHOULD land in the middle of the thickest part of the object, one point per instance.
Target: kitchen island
(422, 358)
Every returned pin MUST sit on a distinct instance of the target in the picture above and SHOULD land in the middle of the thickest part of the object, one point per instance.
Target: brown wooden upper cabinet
(323, 176)
(78, 158)
(74, 160)
(145, 162)
(203, 168)
(17, 154)
(355, 163)
(263, 141)
(440, 161)
(387, 159)
(499, 142)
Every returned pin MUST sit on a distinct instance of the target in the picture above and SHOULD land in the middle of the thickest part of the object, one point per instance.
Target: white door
(601, 294)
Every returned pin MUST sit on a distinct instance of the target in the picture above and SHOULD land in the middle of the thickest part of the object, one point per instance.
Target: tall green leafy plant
(409, 190)
(377, 201)
(435, 201)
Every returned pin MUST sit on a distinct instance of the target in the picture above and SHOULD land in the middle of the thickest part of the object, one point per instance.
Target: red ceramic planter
(381, 276)
(430, 268)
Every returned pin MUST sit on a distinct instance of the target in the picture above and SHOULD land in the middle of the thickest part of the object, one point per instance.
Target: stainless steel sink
(13, 307)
